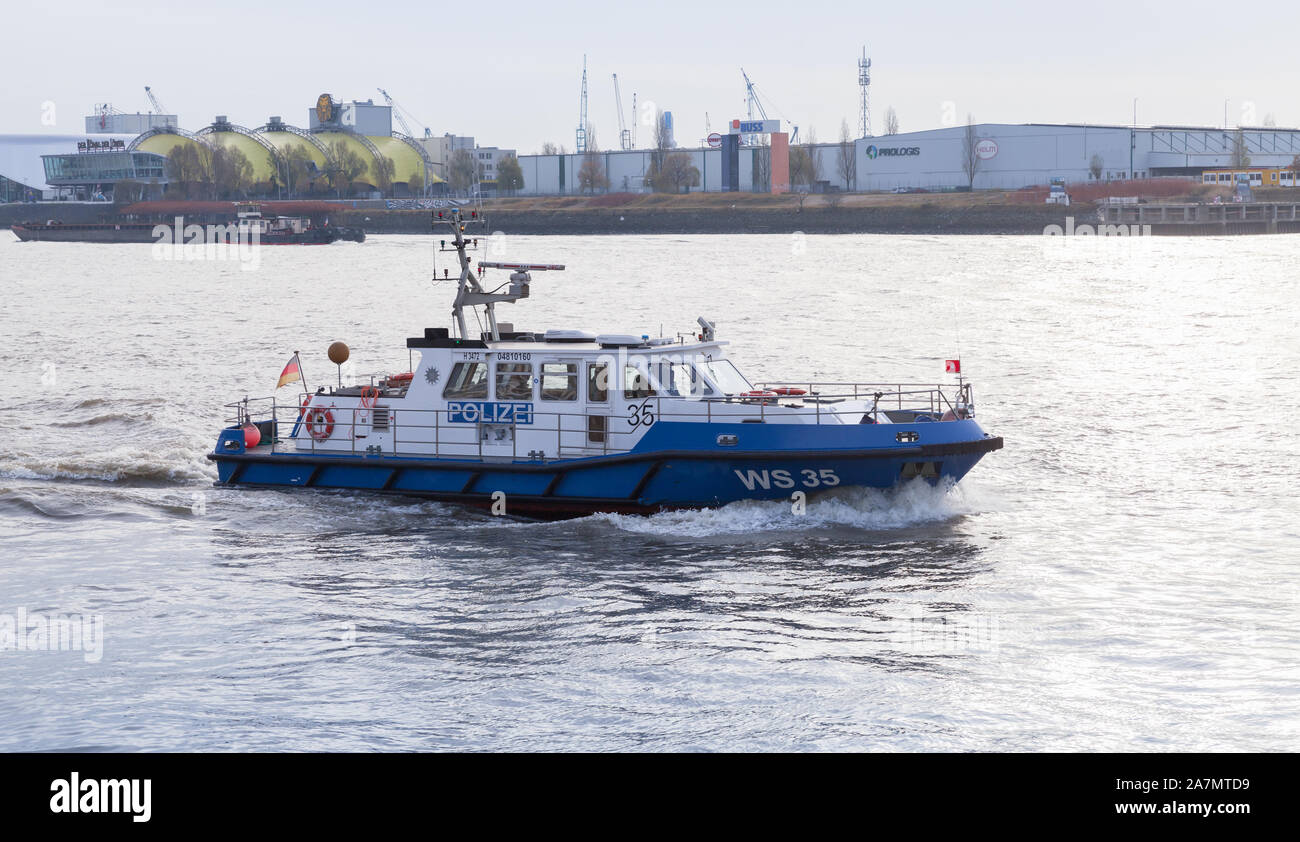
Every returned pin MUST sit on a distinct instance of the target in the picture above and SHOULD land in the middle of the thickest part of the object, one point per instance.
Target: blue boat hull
(673, 467)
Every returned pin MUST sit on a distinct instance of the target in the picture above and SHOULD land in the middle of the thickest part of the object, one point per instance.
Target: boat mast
(469, 292)
(467, 287)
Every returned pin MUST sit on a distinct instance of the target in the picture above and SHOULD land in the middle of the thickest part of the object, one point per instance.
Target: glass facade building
(91, 169)
(16, 191)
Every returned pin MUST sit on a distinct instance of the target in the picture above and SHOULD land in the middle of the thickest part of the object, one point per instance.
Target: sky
(509, 73)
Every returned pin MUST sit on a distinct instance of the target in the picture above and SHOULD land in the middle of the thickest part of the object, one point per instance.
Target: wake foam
(910, 504)
(122, 464)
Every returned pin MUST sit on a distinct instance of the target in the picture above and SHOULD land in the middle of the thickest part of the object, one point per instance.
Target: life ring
(786, 390)
(302, 410)
(320, 423)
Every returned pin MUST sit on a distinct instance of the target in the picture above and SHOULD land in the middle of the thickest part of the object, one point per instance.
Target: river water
(1124, 575)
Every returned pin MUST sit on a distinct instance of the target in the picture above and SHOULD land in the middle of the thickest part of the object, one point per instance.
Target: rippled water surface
(1124, 575)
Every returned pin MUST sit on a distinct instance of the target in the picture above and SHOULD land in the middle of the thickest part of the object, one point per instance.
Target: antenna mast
(864, 85)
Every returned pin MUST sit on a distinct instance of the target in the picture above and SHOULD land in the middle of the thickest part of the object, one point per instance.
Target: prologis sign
(874, 151)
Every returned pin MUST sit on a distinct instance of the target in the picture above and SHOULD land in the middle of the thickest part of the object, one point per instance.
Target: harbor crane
(581, 137)
(157, 106)
(401, 121)
(624, 135)
(752, 101)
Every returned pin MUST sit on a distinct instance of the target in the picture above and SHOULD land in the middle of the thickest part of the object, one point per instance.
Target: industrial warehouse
(351, 149)
(1007, 157)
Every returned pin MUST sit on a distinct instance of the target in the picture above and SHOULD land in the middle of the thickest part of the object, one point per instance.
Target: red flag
(952, 366)
(291, 372)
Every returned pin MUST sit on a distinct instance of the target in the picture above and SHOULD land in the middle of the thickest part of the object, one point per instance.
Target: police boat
(561, 423)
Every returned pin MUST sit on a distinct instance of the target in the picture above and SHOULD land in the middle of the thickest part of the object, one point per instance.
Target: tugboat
(562, 422)
(291, 230)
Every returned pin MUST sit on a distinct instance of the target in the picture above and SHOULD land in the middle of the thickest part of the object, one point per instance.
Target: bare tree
(460, 170)
(345, 167)
(385, 172)
(510, 176)
(814, 158)
(761, 170)
(800, 166)
(1095, 166)
(677, 172)
(591, 175)
(891, 121)
(847, 161)
(293, 167)
(189, 169)
(549, 148)
(231, 173)
(971, 160)
(658, 153)
(127, 191)
(1240, 152)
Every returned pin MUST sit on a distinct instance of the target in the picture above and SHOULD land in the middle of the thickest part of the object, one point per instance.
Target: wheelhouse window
(681, 380)
(597, 383)
(559, 381)
(514, 381)
(468, 381)
(636, 380)
(727, 376)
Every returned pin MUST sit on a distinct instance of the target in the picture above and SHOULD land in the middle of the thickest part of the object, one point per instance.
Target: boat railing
(932, 397)
(406, 431)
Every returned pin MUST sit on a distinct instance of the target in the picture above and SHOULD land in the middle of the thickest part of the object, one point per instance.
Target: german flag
(291, 372)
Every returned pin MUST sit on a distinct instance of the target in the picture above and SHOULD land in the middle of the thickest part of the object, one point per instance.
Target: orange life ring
(302, 410)
(320, 423)
(786, 390)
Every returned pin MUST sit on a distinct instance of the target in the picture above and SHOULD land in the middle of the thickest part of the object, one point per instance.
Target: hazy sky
(509, 72)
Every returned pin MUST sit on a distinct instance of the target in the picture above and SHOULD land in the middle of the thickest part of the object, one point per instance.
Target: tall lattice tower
(864, 85)
(582, 112)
